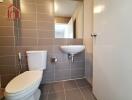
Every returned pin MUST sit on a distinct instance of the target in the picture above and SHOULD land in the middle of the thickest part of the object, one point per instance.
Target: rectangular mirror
(69, 15)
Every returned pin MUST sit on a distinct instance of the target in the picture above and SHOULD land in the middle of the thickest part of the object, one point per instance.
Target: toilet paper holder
(53, 59)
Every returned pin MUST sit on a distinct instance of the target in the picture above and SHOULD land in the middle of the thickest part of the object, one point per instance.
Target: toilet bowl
(25, 86)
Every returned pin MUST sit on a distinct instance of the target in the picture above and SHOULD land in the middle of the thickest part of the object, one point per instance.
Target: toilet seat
(23, 83)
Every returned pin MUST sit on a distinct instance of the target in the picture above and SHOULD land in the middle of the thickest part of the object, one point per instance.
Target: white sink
(72, 49)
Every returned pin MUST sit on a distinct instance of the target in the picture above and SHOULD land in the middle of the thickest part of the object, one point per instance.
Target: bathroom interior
(65, 50)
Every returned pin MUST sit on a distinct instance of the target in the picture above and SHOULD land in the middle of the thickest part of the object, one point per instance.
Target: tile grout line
(64, 90)
(80, 91)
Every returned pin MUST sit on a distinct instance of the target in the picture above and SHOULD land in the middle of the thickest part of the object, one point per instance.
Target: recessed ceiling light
(55, 7)
(1, 1)
(99, 9)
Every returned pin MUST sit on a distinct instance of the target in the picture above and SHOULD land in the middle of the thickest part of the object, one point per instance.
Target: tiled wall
(8, 68)
(35, 31)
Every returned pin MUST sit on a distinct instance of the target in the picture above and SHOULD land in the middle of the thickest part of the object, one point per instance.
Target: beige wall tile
(32, 33)
(3, 10)
(45, 42)
(27, 7)
(7, 78)
(7, 60)
(10, 69)
(6, 31)
(44, 17)
(60, 42)
(45, 7)
(29, 1)
(28, 16)
(4, 21)
(6, 41)
(45, 25)
(5, 51)
(26, 24)
(26, 42)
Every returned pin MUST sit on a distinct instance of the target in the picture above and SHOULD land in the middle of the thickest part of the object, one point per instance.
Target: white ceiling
(66, 8)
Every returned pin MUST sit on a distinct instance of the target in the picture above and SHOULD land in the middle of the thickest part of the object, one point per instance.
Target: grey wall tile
(80, 57)
(78, 73)
(50, 66)
(77, 65)
(61, 57)
(62, 66)
(62, 75)
(48, 76)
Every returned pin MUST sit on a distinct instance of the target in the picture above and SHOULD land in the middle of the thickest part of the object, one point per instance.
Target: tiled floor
(67, 90)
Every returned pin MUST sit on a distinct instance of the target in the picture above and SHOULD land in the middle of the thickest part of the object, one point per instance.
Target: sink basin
(72, 49)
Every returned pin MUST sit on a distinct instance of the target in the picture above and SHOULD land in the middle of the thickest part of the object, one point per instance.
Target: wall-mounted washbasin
(72, 49)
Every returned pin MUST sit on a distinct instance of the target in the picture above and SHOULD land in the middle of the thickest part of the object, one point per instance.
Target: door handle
(93, 35)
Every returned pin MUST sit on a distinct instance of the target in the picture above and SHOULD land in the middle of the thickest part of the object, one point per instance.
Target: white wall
(69, 30)
(88, 29)
(79, 16)
(79, 22)
(112, 73)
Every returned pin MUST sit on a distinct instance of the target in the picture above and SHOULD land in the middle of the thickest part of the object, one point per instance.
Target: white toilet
(25, 86)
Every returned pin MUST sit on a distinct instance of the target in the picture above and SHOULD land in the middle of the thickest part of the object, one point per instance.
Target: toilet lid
(23, 81)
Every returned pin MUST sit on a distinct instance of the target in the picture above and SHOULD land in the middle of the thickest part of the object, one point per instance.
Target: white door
(112, 68)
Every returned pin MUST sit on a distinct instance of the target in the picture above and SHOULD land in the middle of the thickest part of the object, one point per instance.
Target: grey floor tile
(44, 88)
(74, 95)
(82, 83)
(56, 87)
(68, 90)
(44, 97)
(56, 96)
(87, 93)
(68, 85)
